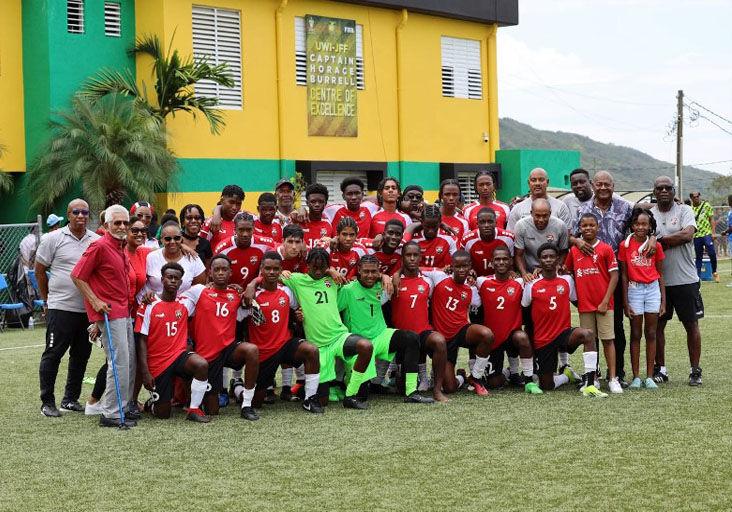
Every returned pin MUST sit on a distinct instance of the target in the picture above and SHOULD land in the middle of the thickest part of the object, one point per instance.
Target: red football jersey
(346, 263)
(481, 253)
(501, 306)
(226, 230)
(471, 213)
(166, 326)
(410, 308)
(244, 262)
(380, 218)
(315, 230)
(450, 304)
(389, 263)
(592, 275)
(297, 264)
(549, 300)
(272, 230)
(458, 223)
(436, 252)
(213, 327)
(268, 243)
(275, 331)
(641, 269)
(362, 217)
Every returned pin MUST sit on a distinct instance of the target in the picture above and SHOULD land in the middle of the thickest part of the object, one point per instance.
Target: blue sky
(610, 69)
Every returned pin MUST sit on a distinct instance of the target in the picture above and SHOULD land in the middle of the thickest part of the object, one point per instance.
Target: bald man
(534, 231)
(63, 308)
(538, 184)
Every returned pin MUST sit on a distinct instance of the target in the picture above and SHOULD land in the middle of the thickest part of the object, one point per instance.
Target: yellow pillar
(493, 135)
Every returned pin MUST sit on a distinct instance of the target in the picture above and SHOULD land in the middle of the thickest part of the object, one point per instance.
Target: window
(461, 68)
(467, 189)
(301, 65)
(332, 181)
(75, 16)
(112, 19)
(217, 38)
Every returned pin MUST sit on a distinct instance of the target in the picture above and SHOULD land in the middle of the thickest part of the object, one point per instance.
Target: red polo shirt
(104, 266)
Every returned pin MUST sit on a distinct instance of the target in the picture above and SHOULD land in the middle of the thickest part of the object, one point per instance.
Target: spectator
(675, 232)
(102, 276)
(579, 180)
(703, 215)
(613, 215)
(144, 211)
(285, 193)
(535, 231)
(66, 318)
(538, 183)
(191, 220)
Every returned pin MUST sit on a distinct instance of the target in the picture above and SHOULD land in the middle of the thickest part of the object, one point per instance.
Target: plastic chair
(37, 303)
(8, 306)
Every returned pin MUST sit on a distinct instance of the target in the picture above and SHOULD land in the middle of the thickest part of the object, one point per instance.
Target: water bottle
(31, 323)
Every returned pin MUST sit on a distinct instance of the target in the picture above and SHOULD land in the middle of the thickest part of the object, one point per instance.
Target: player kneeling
(163, 350)
(269, 330)
(549, 297)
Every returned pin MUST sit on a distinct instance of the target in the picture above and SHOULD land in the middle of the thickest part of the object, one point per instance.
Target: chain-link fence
(11, 237)
(18, 244)
(721, 240)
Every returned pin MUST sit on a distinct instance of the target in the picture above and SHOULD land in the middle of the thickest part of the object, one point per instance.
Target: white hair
(115, 208)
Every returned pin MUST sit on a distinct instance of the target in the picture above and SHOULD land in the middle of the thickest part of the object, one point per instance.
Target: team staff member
(102, 277)
(66, 319)
(538, 183)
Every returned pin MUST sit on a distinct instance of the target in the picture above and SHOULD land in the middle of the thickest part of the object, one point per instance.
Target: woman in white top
(172, 240)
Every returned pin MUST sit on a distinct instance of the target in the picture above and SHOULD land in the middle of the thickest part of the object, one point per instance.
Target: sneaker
(269, 397)
(516, 380)
(593, 392)
(416, 398)
(614, 386)
(649, 383)
(715, 276)
(464, 375)
(312, 404)
(50, 411)
(133, 408)
(533, 388)
(133, 415)
(351, 402)
(249, 414)
(298, 390)
(695, 377)
(223, 399)
(286, 395)
(94, 409)
(197, 415)
(659, 376)
(115, 422)
(623, 383)
(570, 373)
(478, 386)
(71, 406)
(636, 383)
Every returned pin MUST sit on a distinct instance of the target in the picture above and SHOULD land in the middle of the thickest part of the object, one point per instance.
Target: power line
(710, 111)
(695, 114)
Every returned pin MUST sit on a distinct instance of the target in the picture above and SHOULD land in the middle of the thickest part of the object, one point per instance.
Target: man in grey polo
(531, 232)
(579, 180)
(66, 318)
(538, 183)
(675, 227)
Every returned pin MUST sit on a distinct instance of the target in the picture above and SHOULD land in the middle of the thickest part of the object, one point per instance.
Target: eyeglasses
(176, 238)
(80, 211)
(121, 223)
(665, 187)
(194, 217)
(137, 231)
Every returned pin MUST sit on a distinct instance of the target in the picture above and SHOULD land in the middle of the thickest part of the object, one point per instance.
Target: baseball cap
(284, 181)
(52, 220)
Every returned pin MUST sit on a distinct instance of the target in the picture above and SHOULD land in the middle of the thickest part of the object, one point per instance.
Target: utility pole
(679, 144)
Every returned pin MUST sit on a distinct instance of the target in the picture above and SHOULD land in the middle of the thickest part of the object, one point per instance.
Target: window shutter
(301, 65)
(217, 39)
(462, 75)
(332, 181)
(466, 186)
(112, 19)
(75, 16)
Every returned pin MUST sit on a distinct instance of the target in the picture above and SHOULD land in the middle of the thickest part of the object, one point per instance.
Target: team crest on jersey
(361, 215)
(178, 314)
(463, 295)
(439, 250)
(560, 289)
(282, 301)
(421, 288)
(230, 296)
(511, 290)
(253, 260)
(327, 283)
(550, 238)
(323, 232)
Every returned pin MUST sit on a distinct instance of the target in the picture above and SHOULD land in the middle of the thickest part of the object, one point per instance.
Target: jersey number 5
(552, 303)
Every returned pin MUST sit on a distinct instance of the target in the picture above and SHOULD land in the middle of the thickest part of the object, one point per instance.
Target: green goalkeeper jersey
(361, 309)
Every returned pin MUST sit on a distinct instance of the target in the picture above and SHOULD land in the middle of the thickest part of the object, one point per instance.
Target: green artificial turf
(643, 450)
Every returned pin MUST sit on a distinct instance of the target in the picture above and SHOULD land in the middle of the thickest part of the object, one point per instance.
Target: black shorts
(285, 355)
(495, 359)
(455, 343)
(164, 381)
(686, 299)
(547, 356)
(216, 367)
(423, 342)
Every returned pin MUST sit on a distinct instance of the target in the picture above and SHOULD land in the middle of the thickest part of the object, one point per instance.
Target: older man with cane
(102, 277)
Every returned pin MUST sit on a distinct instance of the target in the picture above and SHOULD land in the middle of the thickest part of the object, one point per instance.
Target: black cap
(284, 181)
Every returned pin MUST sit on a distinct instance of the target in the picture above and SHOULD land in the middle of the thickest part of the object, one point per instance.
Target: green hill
(632, 169)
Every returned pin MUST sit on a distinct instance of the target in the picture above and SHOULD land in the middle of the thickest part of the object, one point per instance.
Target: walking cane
(112, 356)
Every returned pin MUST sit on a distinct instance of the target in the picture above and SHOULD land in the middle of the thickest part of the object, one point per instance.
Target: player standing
(449, 196)
(316, 227)
(265, 226)
(242, 251)
(486, 190)
(346, 252)
(220, 226)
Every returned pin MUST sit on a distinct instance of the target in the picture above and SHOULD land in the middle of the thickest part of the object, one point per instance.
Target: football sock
(663, 370)
(479, 367)
(471, 364)
(238, 389)
(422, 369)
(560, 380)
(563, 358)
(460, 380)
(513, 364)
(393, 370)
(590, 359)
(311, 384)
(527, 367)
(246, 397)
(355, 383)
(381, 368)
(410, 383)
(300, 372)
(198, 389)
(287, 377)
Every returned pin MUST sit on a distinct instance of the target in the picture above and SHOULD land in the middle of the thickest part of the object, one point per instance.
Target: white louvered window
(466, 186)
(112, 19)
(301, 65)
(217, 38)
(461, 68)
(332, 181)
(75, 16)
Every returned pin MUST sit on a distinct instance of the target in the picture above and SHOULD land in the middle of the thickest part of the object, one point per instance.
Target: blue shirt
(613, 223)
(729, 223)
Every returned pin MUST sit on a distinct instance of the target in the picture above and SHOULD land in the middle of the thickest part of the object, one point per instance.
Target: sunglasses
(176, 238)
(137, 231)
(665, 187)
(80, 211)
(121, 223)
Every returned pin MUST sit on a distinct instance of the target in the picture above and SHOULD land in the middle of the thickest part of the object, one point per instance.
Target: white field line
(21, 348)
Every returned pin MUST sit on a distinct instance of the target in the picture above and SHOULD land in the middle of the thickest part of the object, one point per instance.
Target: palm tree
(174, 77)
(6, 181)
(111, 147)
